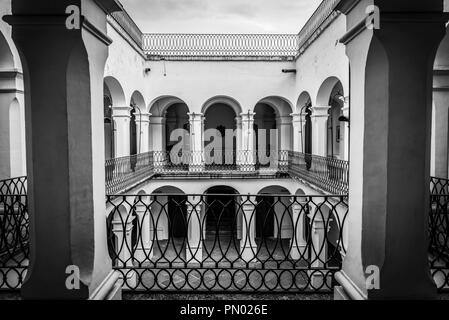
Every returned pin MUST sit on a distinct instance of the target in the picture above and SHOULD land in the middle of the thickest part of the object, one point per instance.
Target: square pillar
(143, 133)
(298, 244)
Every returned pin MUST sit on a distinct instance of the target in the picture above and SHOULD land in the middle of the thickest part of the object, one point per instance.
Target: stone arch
(169, 213)
(116, 91)
(304, 101)
(273, 213)
(159, 106)
(325, 91)
(6, 55)
(282, 106)
(233, 103)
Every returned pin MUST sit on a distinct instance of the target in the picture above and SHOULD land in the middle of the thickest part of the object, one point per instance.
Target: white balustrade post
(195, 217)
(248, 246)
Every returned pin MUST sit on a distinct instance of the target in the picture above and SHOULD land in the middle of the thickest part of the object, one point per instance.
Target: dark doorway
(177, 215)
(221, 212)
(265, 217)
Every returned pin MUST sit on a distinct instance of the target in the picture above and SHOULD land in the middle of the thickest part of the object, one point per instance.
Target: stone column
(248, 142)
(65, 148)
(297, 130)
(196, 142)
(390, 148)
(238, 139)
(143, 135)
(345, 125)
(195, 216)
(319, 118)
(298, 243)
(122, 119)
(248, 246)
(319, 220)
(284, 127)
(144, 251)
(440, 118)
(157, 141)
(122, 226)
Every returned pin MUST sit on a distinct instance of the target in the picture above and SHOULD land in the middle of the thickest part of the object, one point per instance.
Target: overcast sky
(220, 16)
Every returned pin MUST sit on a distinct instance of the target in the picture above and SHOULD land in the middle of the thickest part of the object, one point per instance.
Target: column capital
(121, 112)
(144, 117)
(320, 111)
(283, 120)
(157, 120)
(248, 116)
(195, 115)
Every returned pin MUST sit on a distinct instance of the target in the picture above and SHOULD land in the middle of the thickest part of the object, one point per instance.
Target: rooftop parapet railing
(228, 46)
(221, 45)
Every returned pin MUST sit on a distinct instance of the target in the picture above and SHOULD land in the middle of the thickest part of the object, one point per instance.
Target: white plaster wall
(323, 59)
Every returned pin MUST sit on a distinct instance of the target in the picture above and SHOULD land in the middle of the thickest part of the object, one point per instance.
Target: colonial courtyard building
(314, 162)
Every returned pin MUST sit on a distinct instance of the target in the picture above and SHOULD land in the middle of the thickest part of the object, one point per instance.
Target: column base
(109, 289)
(298, 252)
(248, 254)
(347, 289)
(141, 254)
(194, 255)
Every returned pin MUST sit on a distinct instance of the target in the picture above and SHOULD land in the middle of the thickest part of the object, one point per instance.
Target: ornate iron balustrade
(14, 233)
(14, 186)
(329, 174)
(221, 45)
(223, 242)
(124, 173)
(220, 162)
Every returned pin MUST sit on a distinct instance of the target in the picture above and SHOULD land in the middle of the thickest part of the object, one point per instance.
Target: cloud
(220, 16)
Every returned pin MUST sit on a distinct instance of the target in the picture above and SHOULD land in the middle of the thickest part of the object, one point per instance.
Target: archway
(220, 126)
(281, 109)
(331, 94)
(169, 125)
(169, 211)
(303, 108)
(136, 131)
(273, 217)
(221, 213)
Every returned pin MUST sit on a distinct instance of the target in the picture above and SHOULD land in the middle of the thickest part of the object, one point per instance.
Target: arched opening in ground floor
(221, 207)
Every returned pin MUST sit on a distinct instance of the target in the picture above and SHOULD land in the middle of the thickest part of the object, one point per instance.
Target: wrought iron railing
(220, 162)
(13, 186)
(125, 172)
(14, 233)
(223, 242)
(328, 174)
(221, 45)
